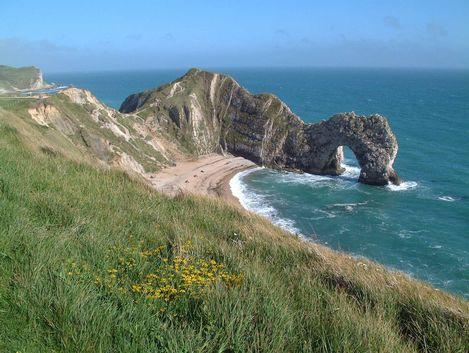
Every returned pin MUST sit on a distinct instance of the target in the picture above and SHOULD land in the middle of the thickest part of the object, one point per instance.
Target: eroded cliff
(209, 112)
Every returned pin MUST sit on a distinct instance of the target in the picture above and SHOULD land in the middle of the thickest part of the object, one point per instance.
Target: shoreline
(207, 175)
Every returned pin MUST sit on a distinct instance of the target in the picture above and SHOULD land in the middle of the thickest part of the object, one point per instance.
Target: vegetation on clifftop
(74, 123)
(95, 261)
(12, 78)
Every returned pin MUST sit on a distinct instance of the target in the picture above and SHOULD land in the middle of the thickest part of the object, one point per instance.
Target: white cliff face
(200, 131)
(176, 88)
(38, 83)
(82, 97)
(213, 86)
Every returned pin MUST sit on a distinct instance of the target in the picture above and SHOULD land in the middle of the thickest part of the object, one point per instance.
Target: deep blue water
(421, 228)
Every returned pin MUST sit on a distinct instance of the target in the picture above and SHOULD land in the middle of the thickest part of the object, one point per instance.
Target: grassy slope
(15, 111)
(63, 224)
(19, 78)
(81, 115)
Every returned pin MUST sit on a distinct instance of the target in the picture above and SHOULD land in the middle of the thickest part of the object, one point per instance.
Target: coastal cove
(421, 227)
(234, 177)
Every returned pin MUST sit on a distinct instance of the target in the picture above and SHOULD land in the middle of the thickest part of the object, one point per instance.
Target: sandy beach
(207, 175)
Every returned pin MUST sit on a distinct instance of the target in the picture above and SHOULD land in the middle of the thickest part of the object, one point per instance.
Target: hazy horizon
(146, 35)
(254, 68)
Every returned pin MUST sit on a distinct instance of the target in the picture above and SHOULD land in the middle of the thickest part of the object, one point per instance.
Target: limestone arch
(369, 138)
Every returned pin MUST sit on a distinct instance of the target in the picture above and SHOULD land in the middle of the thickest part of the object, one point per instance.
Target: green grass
(20, 78)
(78, 117)
(63, 225)
(17, 105)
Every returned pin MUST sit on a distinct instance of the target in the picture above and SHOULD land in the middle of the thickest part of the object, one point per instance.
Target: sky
(62, 36)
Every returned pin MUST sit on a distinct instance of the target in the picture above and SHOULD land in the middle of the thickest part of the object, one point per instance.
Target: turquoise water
(421, 228)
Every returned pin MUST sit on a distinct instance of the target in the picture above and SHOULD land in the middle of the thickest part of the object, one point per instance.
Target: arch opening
(359, 161)
(349, 164)
(349, 158)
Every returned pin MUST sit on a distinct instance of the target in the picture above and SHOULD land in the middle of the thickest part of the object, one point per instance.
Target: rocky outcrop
(209, 112)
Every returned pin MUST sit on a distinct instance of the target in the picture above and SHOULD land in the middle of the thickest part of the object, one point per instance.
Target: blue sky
(113, 35)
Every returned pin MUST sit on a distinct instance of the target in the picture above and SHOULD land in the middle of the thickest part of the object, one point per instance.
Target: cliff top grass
(96, 261)
(20, 78)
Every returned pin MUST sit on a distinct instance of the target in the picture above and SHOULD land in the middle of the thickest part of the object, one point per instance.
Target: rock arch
(370, 139)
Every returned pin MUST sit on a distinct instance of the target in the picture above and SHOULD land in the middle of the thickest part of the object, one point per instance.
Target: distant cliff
(210, 112)
(14, 79)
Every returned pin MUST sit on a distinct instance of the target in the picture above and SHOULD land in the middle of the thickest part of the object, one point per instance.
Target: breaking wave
(446, 198)
(258, 203)
(252, 201)
(406, 185)
(351, 172)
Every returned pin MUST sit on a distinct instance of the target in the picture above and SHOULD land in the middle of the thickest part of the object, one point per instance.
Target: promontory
(211, 112)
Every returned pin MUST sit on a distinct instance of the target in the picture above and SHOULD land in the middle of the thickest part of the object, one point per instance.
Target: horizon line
(253, 67)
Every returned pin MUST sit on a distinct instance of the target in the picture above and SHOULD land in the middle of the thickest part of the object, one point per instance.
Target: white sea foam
(446, 198)
(406, 185)
(436, 247)
(237, 186)
(260, 204)
(347, 206)
(257, 203)
(351, 172)
(303, 179)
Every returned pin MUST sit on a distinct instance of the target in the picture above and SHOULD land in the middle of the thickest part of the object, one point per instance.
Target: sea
(420, 227)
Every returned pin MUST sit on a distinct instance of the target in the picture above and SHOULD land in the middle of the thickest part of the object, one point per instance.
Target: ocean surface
(420, 227)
